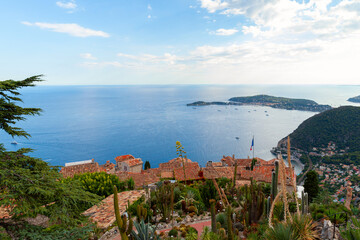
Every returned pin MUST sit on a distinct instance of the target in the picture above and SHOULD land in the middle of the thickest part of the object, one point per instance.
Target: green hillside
(339, 125)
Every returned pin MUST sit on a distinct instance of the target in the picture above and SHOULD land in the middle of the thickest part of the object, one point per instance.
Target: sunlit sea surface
(102, 122)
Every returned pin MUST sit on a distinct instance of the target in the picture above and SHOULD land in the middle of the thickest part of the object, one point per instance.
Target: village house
(128, 163)
(79, 167)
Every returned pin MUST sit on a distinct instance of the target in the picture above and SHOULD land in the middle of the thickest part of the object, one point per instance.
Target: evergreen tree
(147, 165)
(30, 186)
(311, 185)
(11, 112)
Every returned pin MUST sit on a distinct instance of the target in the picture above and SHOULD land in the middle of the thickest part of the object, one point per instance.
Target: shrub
(221, 218)
(173, 233)
(99, 183)
(207, 192)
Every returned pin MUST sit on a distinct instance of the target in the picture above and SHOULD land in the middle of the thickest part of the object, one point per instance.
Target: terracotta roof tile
(191, 172)
(103, 214)
(133, 162)
(140, 179)
(124, 157)
(218, 172)
(167, 174)
(70, 171)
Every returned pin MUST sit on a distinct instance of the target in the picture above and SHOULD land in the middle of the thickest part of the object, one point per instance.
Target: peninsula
(354, 99)
(270, 101)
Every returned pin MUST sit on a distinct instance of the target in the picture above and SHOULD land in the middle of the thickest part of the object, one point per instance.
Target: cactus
(144, 232)
(213, 216)
(268, 201)
(122, 222)
(218, 226)
(235, 172)
(253, 162)
(230, 235)
(253, 204)
(222, 233)
(302, 203)
(274, 180)
(141, 213)
(306, 203)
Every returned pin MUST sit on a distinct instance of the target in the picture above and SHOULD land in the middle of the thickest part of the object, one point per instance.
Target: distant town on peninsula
(270, 101)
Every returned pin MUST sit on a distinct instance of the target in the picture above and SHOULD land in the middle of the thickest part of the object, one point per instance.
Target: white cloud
(88, 56)
(291, 19)
(149, 16)
(66, 5)
(149, 7)
(72, 29)
(151, 59)
(225, 32)
(213, 5)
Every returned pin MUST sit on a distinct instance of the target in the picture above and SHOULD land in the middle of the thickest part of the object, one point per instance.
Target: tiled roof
(70, 171)
(103, 214)
(191, 172)
(228, 160)
(242, 182)
(217, 164)
(133, 162)
(244, 162)
(173, 163)
(167, 174)
(108, 166)
(140, 179)
(155, 171)
(124, 157)
(5, 212)
(218, 172)
(259, 173)
(180, 160)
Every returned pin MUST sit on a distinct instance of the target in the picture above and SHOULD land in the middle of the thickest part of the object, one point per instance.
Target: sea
(101, 122)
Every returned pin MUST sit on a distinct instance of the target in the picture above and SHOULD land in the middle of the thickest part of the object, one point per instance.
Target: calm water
(102, 122)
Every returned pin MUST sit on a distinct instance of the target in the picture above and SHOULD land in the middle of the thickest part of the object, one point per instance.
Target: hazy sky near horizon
(181, 41)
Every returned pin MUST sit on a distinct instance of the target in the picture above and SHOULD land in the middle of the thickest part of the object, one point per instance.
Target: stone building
(128, 163)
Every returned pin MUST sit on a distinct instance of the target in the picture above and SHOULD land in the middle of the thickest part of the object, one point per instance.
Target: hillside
(355, 99)
(339, 125)
(270, 101)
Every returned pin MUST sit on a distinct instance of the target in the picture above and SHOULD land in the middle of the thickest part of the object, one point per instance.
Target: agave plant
(304, 227)
(281, 231)
(352, 231)
(144, 232)
(191, 235)
(205, 235)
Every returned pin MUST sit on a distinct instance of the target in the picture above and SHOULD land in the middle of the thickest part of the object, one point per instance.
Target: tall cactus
(222, 233)
(230, 235)
(213, 215)
(304, 203)
(274, 181)
(141, 213)
(235, 172)
(252, 202)
(268, 204)
(122, 222)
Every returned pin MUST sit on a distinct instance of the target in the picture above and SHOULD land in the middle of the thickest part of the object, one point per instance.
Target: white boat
(14, 142)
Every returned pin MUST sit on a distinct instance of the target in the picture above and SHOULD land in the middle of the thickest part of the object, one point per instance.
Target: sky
(114, 42)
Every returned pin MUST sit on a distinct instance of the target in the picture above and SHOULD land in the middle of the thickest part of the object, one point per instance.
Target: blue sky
(181, 41)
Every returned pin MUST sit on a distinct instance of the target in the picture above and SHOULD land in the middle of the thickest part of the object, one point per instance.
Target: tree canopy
(29, 186)
(339, 125)
(11, 112)
(311, 184)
